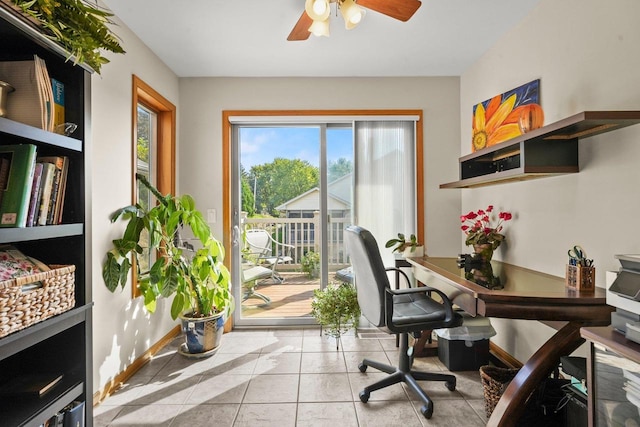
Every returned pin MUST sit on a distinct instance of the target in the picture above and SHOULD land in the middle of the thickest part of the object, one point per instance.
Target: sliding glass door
(294, 195)
(295, 188)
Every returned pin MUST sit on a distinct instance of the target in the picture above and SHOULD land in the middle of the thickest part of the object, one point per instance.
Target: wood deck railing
(301, 233)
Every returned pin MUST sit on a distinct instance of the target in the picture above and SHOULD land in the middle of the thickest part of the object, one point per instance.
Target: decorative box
(581, 278)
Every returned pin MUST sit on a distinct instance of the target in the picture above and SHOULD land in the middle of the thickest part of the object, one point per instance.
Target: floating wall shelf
(547, 151)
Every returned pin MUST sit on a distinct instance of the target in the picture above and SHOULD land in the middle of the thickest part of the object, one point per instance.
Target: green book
(17, 193)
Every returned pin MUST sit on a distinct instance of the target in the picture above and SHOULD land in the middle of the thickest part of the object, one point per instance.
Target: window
(154, 134)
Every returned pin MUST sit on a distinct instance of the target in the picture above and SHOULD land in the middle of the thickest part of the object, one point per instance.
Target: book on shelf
(30, 384)
(61, 164)
(4, 176)
(34, 201)
(58, 102)
(48, 174)
(63, 193)
(15, 198)
(73, 415)
(14, 263)
(32, 101)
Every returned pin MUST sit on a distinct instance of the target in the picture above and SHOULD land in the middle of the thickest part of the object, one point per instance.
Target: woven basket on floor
(494, 381)
(31, 299)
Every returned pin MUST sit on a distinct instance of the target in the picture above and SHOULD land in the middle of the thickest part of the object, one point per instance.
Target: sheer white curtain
(385, 180)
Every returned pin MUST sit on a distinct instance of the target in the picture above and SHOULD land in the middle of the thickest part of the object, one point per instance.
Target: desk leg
(424, 346)
(512, 403)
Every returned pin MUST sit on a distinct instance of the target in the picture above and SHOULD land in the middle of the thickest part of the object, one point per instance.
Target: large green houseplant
(196, 277)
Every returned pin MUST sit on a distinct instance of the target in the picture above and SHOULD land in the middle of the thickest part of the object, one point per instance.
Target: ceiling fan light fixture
(318, 10)
(320, 28)
(351, 13)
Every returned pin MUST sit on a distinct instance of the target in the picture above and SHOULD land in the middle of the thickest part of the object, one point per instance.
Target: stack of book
(32, 188)
(37, 100)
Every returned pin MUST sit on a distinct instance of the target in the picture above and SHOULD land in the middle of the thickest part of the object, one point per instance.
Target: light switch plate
(211, 216)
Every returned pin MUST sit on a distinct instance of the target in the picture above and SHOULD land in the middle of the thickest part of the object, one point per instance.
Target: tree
(339, 168)
(247, 193)
(281, 180)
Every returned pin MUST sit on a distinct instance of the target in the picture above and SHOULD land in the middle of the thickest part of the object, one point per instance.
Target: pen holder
(581, 278)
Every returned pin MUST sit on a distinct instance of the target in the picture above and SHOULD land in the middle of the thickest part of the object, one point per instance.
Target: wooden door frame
(226, 157)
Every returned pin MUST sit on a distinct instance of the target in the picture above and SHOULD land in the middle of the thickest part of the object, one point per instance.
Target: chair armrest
(446, 302)
(397, 270)
(277, 243)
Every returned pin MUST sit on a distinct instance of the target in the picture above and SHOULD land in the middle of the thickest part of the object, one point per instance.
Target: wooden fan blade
(301, 29)
(398, 9)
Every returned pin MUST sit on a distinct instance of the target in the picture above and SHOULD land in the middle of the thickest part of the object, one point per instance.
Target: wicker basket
(494, 381)
(31, 299)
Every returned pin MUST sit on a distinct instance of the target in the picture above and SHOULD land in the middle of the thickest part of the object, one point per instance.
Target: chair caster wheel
(362, 367)
(364, 396)
(427, 410)
(451, 385)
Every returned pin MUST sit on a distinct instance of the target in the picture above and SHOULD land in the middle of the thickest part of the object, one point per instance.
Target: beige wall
(585, 52)
(122, 330)
(204, 99)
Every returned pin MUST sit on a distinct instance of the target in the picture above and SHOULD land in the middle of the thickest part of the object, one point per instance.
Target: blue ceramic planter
(204, 334)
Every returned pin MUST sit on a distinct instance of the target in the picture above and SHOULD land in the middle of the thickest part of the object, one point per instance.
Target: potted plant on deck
(196, 277)
(311, 264)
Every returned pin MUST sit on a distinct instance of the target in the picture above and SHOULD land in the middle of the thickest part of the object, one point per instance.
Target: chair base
(403, 373)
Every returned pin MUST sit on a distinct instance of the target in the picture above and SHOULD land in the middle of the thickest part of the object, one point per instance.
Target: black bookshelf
(62, 343)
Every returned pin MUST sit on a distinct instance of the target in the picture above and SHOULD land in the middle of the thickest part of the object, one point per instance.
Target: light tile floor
(288, 377)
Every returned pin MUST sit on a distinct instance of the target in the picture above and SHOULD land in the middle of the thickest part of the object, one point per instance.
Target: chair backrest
(259, 242)
(369, 273)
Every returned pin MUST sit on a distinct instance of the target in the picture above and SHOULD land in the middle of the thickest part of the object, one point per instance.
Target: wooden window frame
(165, 165)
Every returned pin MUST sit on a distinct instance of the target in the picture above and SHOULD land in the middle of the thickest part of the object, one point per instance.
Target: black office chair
(402, 311)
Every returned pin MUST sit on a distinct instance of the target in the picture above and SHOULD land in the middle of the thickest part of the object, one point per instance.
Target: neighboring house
(304, 205)
(307, 205)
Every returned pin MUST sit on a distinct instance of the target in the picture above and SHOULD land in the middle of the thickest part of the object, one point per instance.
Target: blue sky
(262, 145)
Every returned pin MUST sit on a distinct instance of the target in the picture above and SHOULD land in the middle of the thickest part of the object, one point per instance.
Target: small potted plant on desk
(197, 278)
(406, 247)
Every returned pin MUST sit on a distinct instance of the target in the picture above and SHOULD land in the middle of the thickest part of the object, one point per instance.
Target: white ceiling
(205, 38)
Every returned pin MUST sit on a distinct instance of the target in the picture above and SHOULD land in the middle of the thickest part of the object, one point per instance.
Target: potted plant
(196, 277)
(482, 233)
(336, 309)
(80, 26)
(311, 264)
(408, 248)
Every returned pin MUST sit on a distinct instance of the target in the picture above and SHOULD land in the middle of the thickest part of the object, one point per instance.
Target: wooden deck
(289, 299)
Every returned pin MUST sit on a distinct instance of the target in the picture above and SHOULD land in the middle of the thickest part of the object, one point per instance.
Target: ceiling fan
(315, 17)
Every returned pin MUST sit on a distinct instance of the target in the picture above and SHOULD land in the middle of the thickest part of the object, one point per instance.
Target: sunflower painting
(497, 119)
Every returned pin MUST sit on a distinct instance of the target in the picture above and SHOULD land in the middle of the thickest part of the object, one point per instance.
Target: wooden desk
(522, 294)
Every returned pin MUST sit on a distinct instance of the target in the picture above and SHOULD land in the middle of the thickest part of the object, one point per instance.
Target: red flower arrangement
(479, 229)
